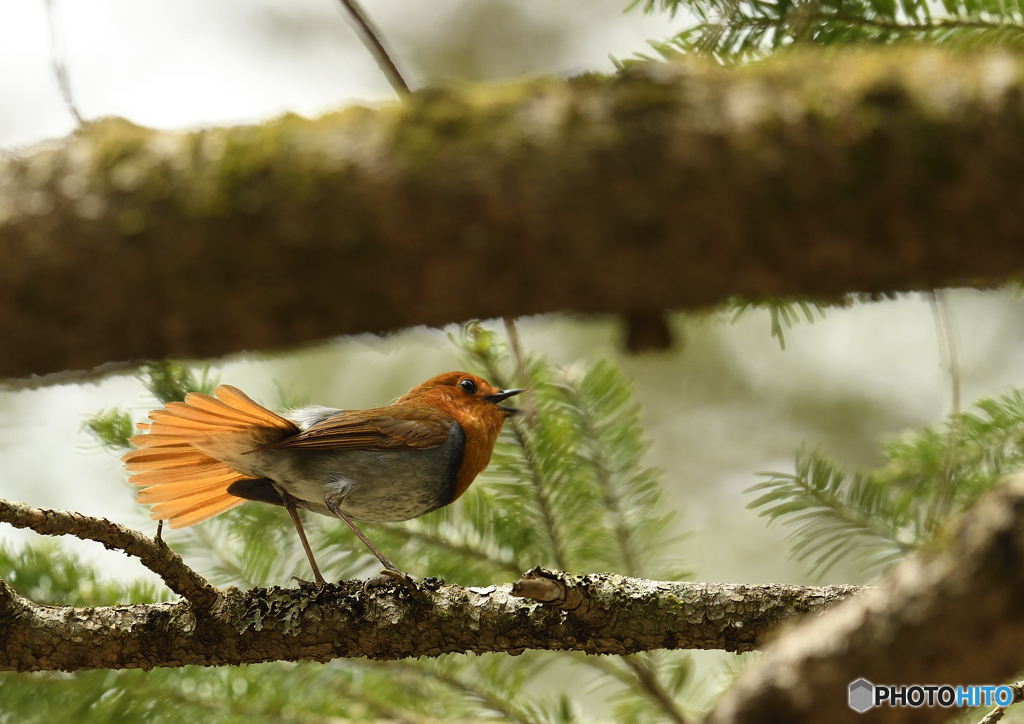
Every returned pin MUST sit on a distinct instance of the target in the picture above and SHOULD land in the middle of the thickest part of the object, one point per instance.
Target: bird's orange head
(475, 404)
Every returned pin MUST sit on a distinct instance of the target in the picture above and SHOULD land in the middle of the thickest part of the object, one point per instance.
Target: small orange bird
(206, 455)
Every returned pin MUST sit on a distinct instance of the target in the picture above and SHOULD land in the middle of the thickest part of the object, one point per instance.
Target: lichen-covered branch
(951, 615)
(670, 186)
(625, 615)
(152, 552)
(948, 617)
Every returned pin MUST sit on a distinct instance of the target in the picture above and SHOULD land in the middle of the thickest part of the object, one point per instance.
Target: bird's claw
(389, 575)
(303, 583)
(432, 583)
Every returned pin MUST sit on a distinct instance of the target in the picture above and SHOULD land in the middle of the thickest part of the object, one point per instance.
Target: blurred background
(198, 63)
(722, 405)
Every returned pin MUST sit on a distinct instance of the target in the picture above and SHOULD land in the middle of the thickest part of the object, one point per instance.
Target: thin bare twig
(651, 683)
(58, 61)
(487, 697)
(949, 343)
(997, 714)
(529, 410)
(949, 359)
(151, 552)
(516, 347)
(373, 40)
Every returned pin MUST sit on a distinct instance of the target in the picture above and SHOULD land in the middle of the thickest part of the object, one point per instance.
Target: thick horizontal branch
(152, 552)
(623, 615)
(948, 617)
(671, 186)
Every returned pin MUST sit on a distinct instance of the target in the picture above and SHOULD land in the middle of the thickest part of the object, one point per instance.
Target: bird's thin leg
(359, 534)
(390, 569)
(289, 504)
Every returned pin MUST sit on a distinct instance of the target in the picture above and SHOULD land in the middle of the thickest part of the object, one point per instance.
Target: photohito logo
(864, 695)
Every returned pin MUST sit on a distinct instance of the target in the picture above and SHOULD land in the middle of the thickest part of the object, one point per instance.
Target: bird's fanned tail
(186, 485)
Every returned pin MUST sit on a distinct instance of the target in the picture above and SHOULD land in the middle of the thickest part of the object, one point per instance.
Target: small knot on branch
(557, 589)
(541, 585)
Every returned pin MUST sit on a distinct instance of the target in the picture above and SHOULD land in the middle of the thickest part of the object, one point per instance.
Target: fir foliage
(873, 518)
(111, 427)
(833, 515)
(170, 381)
(736, 31)
(44, 573)
(567, 488)
(167, 381)
(574, 453)
(782, 312)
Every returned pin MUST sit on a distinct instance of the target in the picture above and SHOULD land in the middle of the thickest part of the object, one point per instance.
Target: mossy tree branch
(671, 186)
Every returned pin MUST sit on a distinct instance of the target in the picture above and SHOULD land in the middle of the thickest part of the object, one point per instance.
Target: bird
(201, 457)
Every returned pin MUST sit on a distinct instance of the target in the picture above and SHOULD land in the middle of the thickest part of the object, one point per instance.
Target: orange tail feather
(184, 484)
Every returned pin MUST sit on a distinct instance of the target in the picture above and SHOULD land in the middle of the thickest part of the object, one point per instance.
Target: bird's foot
(432, 583)
(388, 574)
(303, 583)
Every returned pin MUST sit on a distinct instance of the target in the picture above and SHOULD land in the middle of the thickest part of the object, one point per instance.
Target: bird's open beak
(504, 395)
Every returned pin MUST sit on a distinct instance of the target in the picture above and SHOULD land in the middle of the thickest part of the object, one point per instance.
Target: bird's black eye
(469, 386)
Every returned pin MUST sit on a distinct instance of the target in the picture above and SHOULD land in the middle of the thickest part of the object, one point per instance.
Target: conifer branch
(487, 697)
(833, 515)
(763, 23)
(879, 517)
(598, 397)
(540, 492)
(151, 552)
(879, 23)
(441, 542)
(521, 433)
(641, 676)
(651, 683)
(951, 615)
(624, 533)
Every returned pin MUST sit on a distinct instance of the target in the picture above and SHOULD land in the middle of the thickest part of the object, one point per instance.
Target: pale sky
(192, 62)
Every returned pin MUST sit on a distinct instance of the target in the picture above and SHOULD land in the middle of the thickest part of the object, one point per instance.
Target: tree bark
(153, 553)
(621, 616)
(670, 186)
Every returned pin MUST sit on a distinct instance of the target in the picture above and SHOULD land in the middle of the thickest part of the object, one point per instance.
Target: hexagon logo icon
(862, 695)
